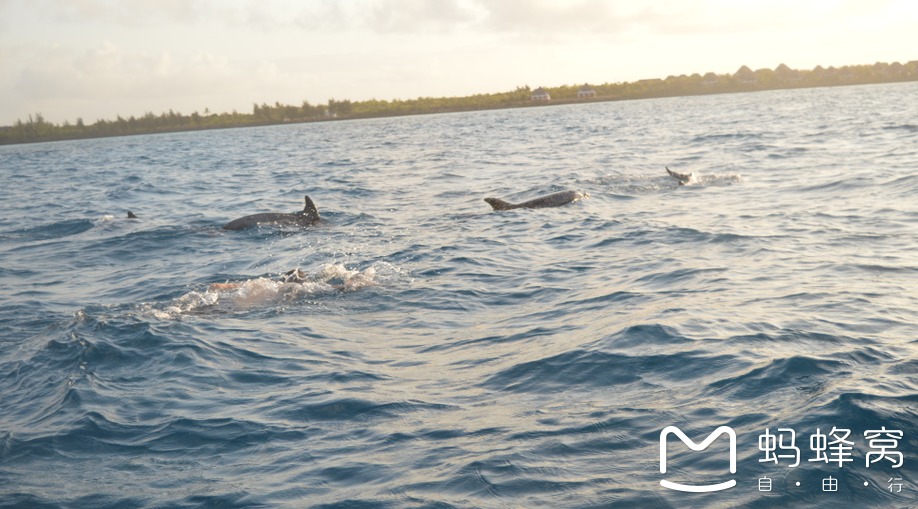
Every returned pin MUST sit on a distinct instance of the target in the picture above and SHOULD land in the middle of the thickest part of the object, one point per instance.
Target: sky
(97, 59)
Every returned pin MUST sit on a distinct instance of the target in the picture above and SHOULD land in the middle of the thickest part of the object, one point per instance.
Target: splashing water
(260, 292)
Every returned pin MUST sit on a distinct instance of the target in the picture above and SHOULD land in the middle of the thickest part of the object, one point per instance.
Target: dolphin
(131, 215)
(308, 216)
(682, 178)
(550, 200)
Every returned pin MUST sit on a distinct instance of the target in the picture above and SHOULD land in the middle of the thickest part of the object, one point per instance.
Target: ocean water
(444, 355)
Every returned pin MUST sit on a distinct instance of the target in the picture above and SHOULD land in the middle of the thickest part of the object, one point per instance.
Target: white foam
(714, 179)
(259, 292)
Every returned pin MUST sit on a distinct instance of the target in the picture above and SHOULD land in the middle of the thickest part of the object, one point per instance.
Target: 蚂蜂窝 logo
(723, 430)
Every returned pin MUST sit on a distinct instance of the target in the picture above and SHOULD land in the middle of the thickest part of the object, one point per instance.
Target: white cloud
(419, 15)
(591, 16)
(129, 12)
(122, 83)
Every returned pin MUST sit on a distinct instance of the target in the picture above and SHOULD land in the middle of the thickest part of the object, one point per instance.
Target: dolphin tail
(310, 208)
(498, 204)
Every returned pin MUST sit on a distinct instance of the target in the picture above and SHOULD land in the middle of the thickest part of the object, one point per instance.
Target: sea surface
(443, 355)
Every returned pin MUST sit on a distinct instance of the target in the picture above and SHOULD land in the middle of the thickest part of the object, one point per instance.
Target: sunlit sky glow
(97, 59)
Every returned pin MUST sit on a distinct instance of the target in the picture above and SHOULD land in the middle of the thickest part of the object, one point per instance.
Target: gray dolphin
(309, 215)
(682, 178)
(550, 200)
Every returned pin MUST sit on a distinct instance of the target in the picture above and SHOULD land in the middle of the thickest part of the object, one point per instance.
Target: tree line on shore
(36, 128)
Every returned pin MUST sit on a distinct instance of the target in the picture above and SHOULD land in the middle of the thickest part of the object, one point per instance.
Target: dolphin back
(309, 215)
(551, 200)
(554, 200)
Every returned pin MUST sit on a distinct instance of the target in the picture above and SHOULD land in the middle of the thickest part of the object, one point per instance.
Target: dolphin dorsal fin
(310, 208)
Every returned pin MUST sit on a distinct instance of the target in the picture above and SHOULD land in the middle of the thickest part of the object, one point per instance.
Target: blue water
(443, 355)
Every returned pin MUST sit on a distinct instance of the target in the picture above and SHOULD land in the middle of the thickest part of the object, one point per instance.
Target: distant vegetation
(36, 128)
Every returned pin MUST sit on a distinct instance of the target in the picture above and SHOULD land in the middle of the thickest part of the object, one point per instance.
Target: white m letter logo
(698, 447)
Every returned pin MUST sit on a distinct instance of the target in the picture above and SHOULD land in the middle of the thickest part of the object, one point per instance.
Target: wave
(903, 185)
(800, 373)
(706, 139)
(911, 128)
(48, 232)
(586, 369)
(842, 184)
(346, 409)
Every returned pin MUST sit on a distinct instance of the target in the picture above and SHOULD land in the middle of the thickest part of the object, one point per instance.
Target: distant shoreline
(36, 130)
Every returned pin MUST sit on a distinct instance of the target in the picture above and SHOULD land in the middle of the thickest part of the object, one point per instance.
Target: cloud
(505, 17)
(621, 18)
(128, 13)
(419, 15)
(477, 16)
(112, 81)
(382, 16)
(376, 16)
(543, 16)
(546, 18)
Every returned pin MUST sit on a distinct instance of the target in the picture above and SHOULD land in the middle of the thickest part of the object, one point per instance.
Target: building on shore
(745, 75)
(540, 94)
(586, 92)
